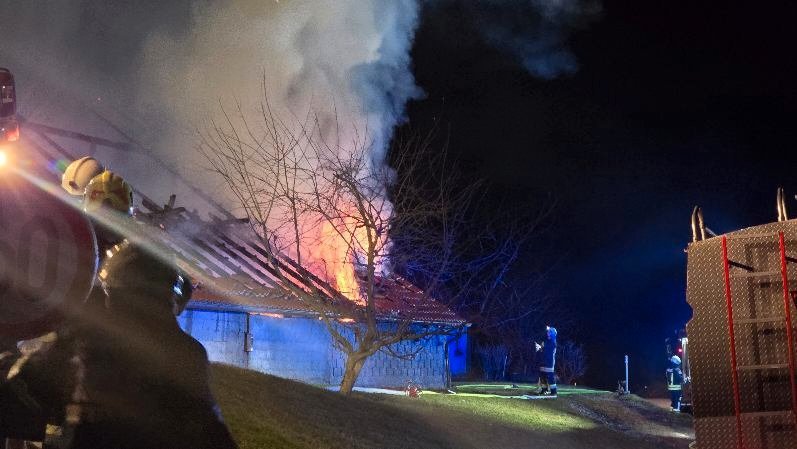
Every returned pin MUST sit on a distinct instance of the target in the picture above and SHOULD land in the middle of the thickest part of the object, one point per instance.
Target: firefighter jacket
(675, 377)
(548, 355)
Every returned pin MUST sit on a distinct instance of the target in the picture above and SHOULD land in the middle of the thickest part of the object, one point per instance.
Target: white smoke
(344, 61)
(341, 59)
(160, 69)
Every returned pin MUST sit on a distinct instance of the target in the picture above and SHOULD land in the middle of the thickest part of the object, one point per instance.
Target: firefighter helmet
(675, 360)
(156, 278)
(108, 189)
(79, 173)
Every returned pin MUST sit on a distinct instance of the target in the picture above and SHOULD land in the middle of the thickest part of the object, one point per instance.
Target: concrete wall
(301, 349)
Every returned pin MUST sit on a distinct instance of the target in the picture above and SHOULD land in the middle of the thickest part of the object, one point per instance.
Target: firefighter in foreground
(675, 379)
(547, 376)
(146, 381)
(122, 374)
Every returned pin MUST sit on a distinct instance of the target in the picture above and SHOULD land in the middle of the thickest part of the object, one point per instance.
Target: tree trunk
(354, 363)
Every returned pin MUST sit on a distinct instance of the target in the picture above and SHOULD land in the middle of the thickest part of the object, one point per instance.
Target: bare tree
(494, 360)
(315, 198)
(571, 362)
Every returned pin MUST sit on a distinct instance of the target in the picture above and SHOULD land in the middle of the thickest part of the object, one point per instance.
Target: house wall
(302, 349)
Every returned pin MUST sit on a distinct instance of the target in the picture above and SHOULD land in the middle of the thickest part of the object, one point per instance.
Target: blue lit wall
(458, 355)
(301, 349)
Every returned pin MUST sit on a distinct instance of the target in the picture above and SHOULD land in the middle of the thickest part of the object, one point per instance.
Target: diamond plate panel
(769, 432)
(761, 343)
(767, 419)
(716, 432)
(764, 391)
(709, 355)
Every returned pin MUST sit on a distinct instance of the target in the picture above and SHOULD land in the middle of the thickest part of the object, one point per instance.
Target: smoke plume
(160, 69)
(535, 31)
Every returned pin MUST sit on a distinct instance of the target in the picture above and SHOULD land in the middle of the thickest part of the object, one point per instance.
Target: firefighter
(675, 379)
(146, 383)
(547, 377)
(98, 380)
(108, 199)
(53, 373)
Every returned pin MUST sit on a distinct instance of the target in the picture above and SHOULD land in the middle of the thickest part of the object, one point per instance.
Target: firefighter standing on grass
(547, 376)
(675, 377)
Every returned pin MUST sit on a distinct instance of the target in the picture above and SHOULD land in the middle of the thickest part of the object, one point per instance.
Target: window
(7, 103)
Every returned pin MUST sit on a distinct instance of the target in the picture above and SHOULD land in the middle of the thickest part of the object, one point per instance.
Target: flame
(341, 247)
(338, 248)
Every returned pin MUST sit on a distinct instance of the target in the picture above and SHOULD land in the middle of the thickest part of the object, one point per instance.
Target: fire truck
(9, 127)
(742, 287)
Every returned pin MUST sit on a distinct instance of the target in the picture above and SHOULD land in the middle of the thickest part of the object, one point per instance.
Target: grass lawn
(504, 389)
(268, 412)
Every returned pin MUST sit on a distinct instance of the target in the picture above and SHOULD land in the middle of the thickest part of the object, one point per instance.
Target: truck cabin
(9, 127)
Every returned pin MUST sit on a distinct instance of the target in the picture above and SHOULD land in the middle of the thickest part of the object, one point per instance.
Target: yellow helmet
(108, 189)
(79, 173)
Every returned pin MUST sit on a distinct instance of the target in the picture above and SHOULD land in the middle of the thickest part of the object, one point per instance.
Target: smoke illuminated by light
(346, 63)
(161, 70)
(118, 223)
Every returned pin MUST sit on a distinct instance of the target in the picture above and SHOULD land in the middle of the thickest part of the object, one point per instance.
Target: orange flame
(341, 242)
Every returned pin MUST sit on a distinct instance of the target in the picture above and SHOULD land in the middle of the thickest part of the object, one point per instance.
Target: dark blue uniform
(547, 377)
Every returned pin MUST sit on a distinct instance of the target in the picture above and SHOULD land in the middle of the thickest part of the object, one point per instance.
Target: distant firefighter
(547, 376)
(675, 379)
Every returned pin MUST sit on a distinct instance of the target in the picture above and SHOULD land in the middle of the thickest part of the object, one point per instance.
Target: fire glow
(343, 249)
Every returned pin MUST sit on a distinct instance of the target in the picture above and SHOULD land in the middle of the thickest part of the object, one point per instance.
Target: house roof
(239, 275)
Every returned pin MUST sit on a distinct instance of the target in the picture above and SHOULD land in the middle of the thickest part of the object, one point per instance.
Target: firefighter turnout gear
(124, 375)
(163, 378)
(675, 379)
(547, 375)
(108, 190)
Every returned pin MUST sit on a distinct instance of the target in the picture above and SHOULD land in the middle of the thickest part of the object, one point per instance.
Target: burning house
(248, 319)
(245, 315)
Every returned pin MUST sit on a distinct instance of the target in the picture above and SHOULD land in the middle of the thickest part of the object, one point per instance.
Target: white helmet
(675, 359)
(78, 174)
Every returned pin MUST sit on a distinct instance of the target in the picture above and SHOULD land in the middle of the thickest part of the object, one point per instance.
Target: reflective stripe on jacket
(674, 379)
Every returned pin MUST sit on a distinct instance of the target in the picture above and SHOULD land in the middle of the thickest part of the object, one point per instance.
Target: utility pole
(626, 375)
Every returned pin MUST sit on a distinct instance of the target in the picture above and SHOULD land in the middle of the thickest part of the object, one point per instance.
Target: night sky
(674, 104)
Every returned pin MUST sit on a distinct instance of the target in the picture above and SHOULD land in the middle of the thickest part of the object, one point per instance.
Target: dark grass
(268, 412)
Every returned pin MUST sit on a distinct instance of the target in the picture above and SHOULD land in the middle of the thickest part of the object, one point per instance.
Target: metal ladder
(786, 319)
